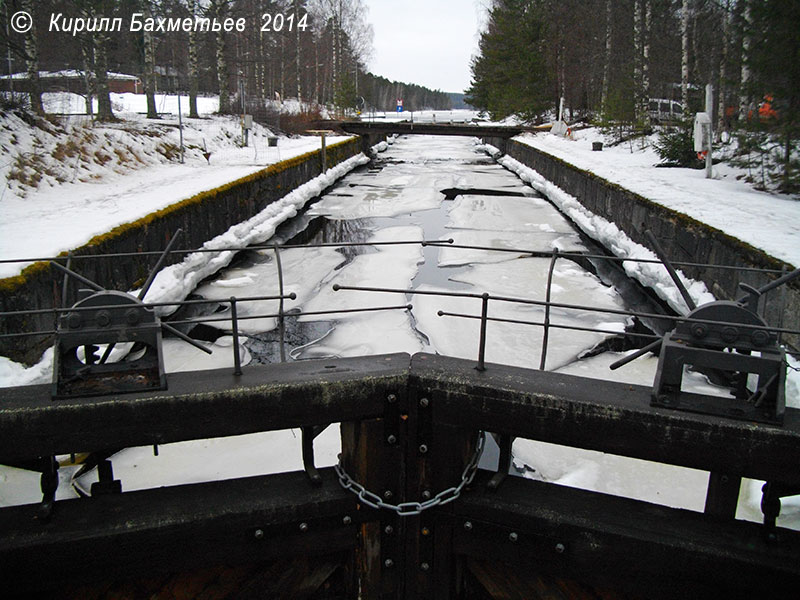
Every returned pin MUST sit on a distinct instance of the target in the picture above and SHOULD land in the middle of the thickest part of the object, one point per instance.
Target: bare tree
(193, 71)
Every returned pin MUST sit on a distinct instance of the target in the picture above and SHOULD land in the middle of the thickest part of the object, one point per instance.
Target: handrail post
(237, 361)
(281, 321)
(546, 333)
(482, 343)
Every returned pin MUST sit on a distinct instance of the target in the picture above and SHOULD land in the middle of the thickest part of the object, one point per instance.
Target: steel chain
(409, 509)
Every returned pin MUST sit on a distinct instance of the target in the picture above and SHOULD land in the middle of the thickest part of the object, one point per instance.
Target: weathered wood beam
(139, 534)
(200, 405)
(605, 416)
(621, 543)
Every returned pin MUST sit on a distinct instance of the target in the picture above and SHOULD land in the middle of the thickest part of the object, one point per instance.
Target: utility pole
(710, 111)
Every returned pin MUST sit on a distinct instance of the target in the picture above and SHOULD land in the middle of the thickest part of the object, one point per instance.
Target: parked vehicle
(662, 110)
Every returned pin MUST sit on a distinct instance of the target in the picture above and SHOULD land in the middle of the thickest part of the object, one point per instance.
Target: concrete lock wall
(201, 217)
(683, 238)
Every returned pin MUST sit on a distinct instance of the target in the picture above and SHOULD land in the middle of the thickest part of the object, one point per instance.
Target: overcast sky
(427, 42)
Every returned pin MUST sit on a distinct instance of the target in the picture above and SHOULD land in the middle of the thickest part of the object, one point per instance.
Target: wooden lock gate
(409, 427)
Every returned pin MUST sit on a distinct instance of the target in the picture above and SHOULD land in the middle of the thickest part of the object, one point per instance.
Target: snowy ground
(765, 220)
(85, 178)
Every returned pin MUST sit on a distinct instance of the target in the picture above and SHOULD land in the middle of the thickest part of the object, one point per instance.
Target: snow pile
(176, 282)
(615, 240)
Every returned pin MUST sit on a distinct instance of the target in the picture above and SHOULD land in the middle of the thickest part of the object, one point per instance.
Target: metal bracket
(49, 485)
(106, 483)
(503, 462)
(309, 433)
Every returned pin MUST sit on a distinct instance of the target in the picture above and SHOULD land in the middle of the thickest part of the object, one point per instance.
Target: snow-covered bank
(764, 220)
(70, 180)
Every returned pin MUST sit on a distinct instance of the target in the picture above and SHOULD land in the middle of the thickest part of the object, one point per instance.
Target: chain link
(409, 509)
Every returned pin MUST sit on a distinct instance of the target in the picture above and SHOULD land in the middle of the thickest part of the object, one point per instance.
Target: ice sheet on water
(303, 269)
(404, 189)
(385, 267)
(366, 333)
(499, 213)
(180, 356)
(517, 344)
(542, 241)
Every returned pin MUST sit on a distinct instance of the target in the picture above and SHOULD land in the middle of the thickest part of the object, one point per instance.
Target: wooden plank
(183, 527)
(199, 405)
(605, 416)
(623, 544)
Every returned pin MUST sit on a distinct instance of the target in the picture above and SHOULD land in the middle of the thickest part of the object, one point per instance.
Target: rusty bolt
(388, 494)
(513, 537)
(259, 534)
(388, 530)
(423, 448)
(426, 495)
(423, 402)
(388, 563)
(560, 548)
(392, 439)
(347, 520)
(391, 398)
(425, 566)
(468, 525)
(303, 527)
(103, 318)
(426, 531)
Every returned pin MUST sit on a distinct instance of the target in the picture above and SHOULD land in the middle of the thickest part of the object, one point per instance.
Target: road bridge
(372, 132)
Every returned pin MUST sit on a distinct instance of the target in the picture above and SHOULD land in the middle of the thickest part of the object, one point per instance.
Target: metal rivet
(388, 494)
(426, 531)
(423, 402)
(103, 318)
(560, 548)
(513, 537)
(468, 525)
(391, 439)
(347, 520)
(426, 494)
(73, 320)
(303, 527)
(388, 530)
(259, 534)
(388, 563)
(724, 479)
(424, 566)
(391, 398)
(423, 448)
(132, 316)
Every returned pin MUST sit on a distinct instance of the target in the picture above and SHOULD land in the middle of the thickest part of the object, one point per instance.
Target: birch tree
(149, 64)
(32, 61)
(193, 70)
(685, 56)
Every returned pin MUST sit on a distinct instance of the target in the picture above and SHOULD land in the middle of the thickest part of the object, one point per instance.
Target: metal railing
(546, 323)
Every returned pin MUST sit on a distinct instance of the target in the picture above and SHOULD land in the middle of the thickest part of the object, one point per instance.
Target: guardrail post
(546, 334)
(237, 361)
(482, 343)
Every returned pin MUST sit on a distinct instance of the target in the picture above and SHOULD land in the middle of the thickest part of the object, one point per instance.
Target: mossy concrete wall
(201, 217)
(683, 238)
